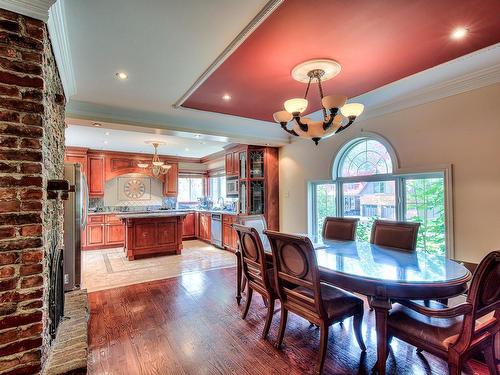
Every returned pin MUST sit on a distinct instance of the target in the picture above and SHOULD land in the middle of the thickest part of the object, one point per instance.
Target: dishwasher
(216, 230)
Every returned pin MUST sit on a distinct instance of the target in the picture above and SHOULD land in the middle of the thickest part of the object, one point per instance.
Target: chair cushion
(338, 303)
(438, 332)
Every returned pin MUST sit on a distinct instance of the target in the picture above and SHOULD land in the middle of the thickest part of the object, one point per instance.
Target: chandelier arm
(302, 126)
(308, 86)
(320, 87)
(292, 132)
(351, 120)
(333, 113)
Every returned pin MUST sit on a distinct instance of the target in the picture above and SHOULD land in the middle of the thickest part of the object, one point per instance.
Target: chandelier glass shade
(334, 107)
(158, 167)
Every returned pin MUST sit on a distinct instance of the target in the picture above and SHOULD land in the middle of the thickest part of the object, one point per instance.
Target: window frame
(190, 177)
(399, 176)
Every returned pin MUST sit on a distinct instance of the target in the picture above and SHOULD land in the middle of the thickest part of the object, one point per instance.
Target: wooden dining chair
(401, 235)
(301, 292)
(340, 228)
(257, 272)
(454, 333)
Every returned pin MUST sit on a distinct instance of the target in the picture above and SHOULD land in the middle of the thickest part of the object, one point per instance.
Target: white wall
(462, 130)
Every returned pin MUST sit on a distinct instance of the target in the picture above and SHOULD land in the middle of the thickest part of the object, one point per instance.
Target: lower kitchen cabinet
(205, 226)
(229, 235)
(189, 226)
(104, 231)
(95, 235)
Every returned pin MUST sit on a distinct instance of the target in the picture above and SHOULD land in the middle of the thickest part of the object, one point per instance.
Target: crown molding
(38, 9)
(265, 12)
(58, 33)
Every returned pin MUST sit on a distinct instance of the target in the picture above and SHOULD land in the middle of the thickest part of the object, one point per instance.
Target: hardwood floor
(191, 325)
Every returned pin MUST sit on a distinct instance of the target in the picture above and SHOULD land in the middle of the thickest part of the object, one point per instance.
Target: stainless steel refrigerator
(75, 221)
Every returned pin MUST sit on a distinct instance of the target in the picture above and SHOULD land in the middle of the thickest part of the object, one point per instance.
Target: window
(365, 187)
(190, 189)
(217, 187)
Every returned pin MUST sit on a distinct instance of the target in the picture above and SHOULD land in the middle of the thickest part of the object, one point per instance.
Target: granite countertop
(135, 215)
(158, 213)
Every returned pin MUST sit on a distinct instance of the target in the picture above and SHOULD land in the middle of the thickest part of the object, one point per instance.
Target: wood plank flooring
(191, 325)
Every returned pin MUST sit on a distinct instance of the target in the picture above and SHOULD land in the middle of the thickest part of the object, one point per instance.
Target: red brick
(31, 281)
(8, 308)
(32, 94)
(31, 230)
(29, 357)
(30, 194)
(20, 155)
(7, 90)
(32, 305)
(32, 56)
(30, 295)
(9, 52)
(31, 168)
(20, 333)
(20, 218)
(10, 206)
(20, 320)
(7, 271)
(7, 232)
(35, 256)
(8, 25)
(8, 194)
(59, 99)
(8, 142)
(25, 81)
(20, 41)
(30, 143)
(32, 119)
(8, 258)
(24, 181)
(31, 206)
(20, 66)
(8, 168)
(35, 32)
(21, 105)
(8, 15)
(21, 346)
(8, 284)
(30, 269)
(29, 369)
(28, 21)
(20, 244)
(24, 131)
(9, 116)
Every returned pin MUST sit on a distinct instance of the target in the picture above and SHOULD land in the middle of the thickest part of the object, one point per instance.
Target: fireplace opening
(56, 287)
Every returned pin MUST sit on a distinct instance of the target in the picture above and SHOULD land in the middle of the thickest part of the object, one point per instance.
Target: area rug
(109, 268)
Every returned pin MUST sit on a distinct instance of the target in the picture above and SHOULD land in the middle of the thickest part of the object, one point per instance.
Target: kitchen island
(152, 233)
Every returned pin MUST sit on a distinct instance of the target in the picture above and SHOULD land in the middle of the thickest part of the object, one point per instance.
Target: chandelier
(332, 122)
(158, 167)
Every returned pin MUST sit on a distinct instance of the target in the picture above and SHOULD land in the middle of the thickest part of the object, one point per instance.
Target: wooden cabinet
(114, 231)
(188, 226)
(205, 226)
(95, 235)
(232, 164)
(170, 185)
(96, 175)
(229, 235)
(104, 231)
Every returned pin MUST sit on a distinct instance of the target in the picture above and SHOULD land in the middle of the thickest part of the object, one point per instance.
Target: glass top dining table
(384, 274)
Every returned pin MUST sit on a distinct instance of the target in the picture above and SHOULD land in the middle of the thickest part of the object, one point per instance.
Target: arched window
(365, 185)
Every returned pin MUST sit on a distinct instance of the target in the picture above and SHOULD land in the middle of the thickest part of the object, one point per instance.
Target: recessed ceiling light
(459, 33)
(96, 124)
(186, 149)
(105, 142)
(107, 133)
(197, 135)
(122, 75)
(226, 97)
(268, 144)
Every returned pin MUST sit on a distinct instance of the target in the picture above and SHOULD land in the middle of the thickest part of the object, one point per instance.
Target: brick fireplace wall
(31, 151)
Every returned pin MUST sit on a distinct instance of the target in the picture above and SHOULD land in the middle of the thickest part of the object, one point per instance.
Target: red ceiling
(376, 42)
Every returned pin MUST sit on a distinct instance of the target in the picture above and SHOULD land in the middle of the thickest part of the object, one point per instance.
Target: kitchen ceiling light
(96, 124)
(226, 97)
(122, 75)
(319, 70)
(459, 33)
(158, 167)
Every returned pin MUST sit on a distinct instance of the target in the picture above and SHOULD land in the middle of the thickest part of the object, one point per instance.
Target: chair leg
(357, 323)
(323, 345)
(248, 302)
(243, 284)
(269, 319)
(455, 368)
(264, 300)
(444, 301)
(369, 299)
(489, 356)
(281, 333)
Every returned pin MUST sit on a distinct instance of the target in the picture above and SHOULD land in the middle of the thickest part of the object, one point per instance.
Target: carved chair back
(397, 234)
(297, 275)
(253, 257)
(340, 228)
(484, 296)
(259, 223)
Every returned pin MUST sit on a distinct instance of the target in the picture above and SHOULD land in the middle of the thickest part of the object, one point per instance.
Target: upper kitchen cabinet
(170, 185)
(96, 175)
(232, 163)
(77, 155)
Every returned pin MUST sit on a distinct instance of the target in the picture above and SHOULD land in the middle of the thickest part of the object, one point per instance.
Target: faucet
(221, 205)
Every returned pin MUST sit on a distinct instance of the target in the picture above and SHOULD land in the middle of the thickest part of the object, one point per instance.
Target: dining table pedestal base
(381, 307)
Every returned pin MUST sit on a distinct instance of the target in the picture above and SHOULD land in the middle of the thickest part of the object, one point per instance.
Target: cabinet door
(96, 175)
(170, 187)
(95, 234)
(227, 235)
(145, 235)
(188, 229)
(82, 160)
(167, 232)
(236, 163)
(229, 164)
(234, 240)
(205, 227)
(115, 234)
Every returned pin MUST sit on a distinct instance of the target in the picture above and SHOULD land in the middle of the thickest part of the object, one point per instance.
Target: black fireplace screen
(56, 287)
